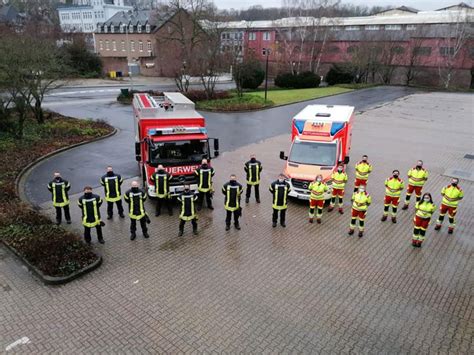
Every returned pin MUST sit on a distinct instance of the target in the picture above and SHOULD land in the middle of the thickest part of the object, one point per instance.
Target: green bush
(236, 103)
(302, 80)
(248, 75)
(82, 61)
(340, 74)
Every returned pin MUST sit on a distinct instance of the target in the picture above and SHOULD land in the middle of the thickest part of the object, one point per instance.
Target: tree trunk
(38, 111)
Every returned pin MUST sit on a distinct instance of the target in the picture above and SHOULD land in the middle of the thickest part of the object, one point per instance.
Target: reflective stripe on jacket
(205, 178)
(424, 209)
(452, 195)
(112, 187)
(188, 211)
(362, 170)
(361, 201)
(162, 184)
(394, 187)
(232, 196)
(90, 210)
(339, 180)
(417, 177)
(59, 191)
(253, 171)
(280, 194)
(317, 190)
(136, 205)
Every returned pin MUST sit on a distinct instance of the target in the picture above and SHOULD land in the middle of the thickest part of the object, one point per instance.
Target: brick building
(307, 43)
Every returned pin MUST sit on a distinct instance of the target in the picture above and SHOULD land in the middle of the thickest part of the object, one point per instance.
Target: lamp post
(267, 53)
(129, 59)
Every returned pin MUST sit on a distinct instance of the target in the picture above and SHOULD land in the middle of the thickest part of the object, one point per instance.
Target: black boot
(227, 227)
(237, 226)
(133, 236)
(181, 232)
(146, 235)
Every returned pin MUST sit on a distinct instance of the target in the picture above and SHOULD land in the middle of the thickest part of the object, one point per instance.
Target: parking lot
(306, 288)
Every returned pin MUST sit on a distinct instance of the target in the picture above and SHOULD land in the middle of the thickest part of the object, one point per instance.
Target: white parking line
(24, 340)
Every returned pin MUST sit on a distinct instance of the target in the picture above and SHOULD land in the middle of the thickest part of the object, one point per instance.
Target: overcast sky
(418, 4)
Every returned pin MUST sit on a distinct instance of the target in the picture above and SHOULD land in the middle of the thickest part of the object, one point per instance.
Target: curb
(54, 280)
(24, 172)
(281, 105)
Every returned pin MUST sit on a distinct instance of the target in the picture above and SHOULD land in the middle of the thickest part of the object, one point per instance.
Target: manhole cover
(469, 156)
(460, 174)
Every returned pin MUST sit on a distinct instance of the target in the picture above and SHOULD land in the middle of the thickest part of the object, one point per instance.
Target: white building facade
(84, 15)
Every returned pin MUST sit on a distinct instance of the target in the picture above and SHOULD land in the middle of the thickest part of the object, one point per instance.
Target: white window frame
(107, 47)
(122, 44)
(372, 27)
(393, 27)
(114, 46)
(112, 29)
(149, 46)
(130, 29)
(132, 46)
(411, 27)
(101, 45)
(139, 28)
(252, 36)
(148, 28)
(140, 46)
(266, 36)
(352, 28)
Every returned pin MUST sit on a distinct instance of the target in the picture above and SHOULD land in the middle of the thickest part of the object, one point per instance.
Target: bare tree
(456, 35)
(414, 54)
(390, 52)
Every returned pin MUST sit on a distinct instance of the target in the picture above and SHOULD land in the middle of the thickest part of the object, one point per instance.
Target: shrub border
(19, 183)
(54, 280)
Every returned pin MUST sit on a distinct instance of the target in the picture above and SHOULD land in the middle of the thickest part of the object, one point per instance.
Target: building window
(107, 45)
(445, 51)
(148, 46)
(130, 29)
(122, 44)
(264, 52)
(101, 45)
(352, 28)
(252, 36)
(122, 28)
(132, 46)
(241, 35)
(140, 46)
(372, 27)
(266, 36)
(333, 49)
(139, 28)
(112, 29)
(393, 27)
(98, 29)
(411, 27)
(397, 50)
(147, 28)
(114, 46)
(105, 28)
(422, 50)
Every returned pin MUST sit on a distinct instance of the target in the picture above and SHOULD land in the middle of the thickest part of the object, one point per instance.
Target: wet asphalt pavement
(85, 164)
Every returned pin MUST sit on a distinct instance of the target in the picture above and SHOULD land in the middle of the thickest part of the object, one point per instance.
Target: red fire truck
(170, 132)
(321, 139)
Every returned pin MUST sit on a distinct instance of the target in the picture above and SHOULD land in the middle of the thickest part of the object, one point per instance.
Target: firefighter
(452, 194)
(161, 178)
(362, 171)
(113, 192)
(89, 204)
(253, 169)
(280, 189)
(188, 210)
(316, 201)
(59, 190)
(205, 174)
(339, 179)
(424, 210)
(135, 197)
(361, 200)
(232, 191)
(417, 177)
(393, 189)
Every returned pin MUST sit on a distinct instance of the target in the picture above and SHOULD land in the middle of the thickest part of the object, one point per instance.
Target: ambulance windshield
(313, 153)
(178, 152)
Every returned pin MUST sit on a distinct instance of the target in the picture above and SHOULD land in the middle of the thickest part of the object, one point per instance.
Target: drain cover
(469, 156)
(460, 174)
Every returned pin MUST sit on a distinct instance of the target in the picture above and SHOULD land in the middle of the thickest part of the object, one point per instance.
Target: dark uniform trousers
(67, 214)
(282, 216)
(228, 218)
(87, 233)
(110, 208)
(133, 224)
(183, 222)
(249, 190)
(164, 201)
(207, 195)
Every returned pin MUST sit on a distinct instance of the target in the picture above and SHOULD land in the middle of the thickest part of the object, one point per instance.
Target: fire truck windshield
(178, 152)
(313, 153)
